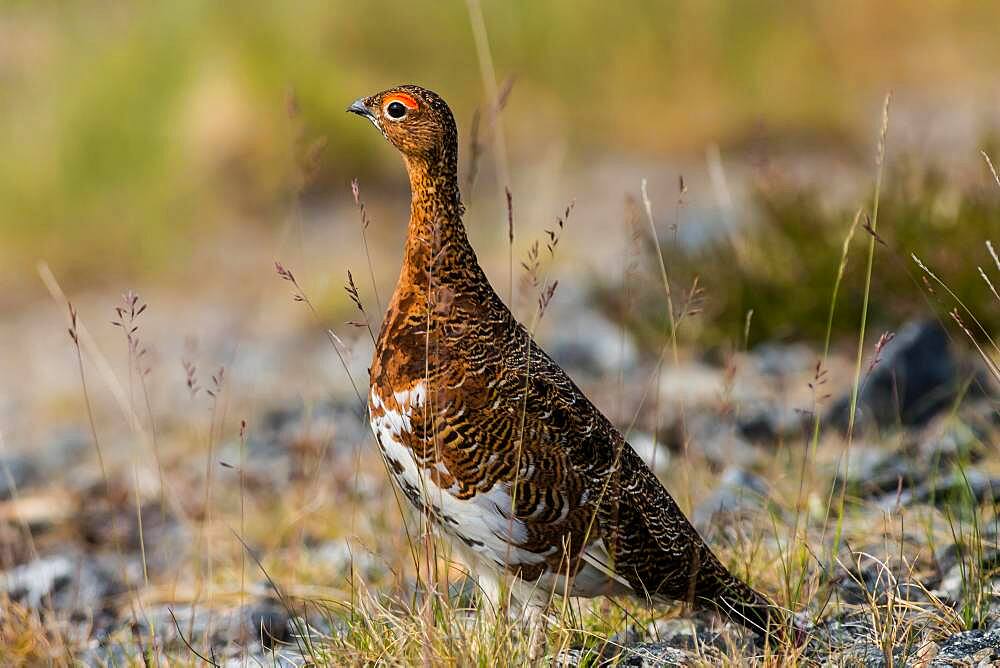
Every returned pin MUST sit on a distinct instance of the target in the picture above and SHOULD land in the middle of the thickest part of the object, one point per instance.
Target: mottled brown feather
(500, 411)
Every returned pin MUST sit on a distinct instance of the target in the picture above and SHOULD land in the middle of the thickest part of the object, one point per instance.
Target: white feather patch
(484, 520)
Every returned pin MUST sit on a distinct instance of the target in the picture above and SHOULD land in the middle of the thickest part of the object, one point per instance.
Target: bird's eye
(395, 110)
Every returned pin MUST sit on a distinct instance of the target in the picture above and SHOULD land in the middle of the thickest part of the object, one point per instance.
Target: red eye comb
(403, 98)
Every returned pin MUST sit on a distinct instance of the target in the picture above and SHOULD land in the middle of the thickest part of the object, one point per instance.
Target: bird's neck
(436, 243)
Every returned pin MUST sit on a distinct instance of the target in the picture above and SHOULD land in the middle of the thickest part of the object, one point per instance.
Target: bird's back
(513, 449)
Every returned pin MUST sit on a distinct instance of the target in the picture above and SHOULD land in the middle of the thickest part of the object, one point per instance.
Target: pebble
(951, 490)
(588, 343)
(739, 494)
(720, 442)
(917, 377)
(976, 645)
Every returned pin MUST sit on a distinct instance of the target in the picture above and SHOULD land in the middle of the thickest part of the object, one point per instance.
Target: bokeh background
(179, 149)
(131, 133)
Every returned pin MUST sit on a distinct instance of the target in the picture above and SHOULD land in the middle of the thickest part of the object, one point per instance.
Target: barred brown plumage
(490, 437)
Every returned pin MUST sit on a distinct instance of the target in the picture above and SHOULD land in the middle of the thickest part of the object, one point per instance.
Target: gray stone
(720, 442)
(838, 631)
(780, 360)
(640, 655)
(261, 633)
(687, 633)
(766, 422)
(976, 645)
(972, 486)
(340, 557)
(81, 587)
(873, 583)
(109, 654)
(916, 378)
(740, 494)
(589, 343)
(269, 624)
(954, 585)
(17, 472)
(653, 452)
(948, 441)
(872, 471)
(868, 654)
(31, 583)
(21, 471)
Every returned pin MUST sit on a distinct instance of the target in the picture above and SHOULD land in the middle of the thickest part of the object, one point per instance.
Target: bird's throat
(436, 238)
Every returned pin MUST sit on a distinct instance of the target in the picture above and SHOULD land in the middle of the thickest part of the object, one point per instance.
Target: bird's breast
(479, 516)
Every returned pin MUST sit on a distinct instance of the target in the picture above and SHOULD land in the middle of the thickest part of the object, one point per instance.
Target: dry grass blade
(299, 295)
(496, 101)
(92, 350)
(188, 644)
(74, 335)
(352, 292)
(476, 141)
(993, 169)
(872, 227)
(990, 364)
(989, 283)
(534, 280)
(961, 304)
(862, 327)
(365, 222)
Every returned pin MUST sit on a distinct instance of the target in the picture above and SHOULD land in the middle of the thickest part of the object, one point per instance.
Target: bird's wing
(646, 539)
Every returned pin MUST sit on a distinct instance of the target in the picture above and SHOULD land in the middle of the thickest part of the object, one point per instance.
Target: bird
(489, 437)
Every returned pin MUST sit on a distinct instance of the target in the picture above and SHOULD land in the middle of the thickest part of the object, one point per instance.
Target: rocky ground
(114, 568)
(229, 504)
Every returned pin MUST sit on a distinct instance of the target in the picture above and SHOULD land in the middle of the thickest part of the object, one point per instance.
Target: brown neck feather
(436, 239)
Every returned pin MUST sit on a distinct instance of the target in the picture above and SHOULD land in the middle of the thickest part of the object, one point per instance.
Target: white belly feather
(482, 522)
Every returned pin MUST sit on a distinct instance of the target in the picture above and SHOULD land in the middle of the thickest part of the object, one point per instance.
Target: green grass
(782, 263)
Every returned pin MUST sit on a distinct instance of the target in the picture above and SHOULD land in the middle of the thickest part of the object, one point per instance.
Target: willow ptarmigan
(488, 436)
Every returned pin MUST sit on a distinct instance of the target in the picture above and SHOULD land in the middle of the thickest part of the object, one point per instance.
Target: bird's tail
(744, 605)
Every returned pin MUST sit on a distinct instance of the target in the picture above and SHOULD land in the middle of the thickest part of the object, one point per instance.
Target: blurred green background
(131, 130)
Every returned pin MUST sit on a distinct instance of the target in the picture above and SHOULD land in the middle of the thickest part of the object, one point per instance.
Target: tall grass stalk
(92, 350)
(859, 359)
(365, 223)
(992, 167)
(672, 317)
(961, 305)
(145, 567)
(488, 74)
(74, 334)
(841, 270)
(243, 532)
(663, 272)
(810, 454)
(74, 331)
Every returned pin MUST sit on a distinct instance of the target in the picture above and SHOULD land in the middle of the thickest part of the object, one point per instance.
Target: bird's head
(414, 120)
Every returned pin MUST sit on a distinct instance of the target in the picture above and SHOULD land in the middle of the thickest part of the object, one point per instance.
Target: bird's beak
(361, 109)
